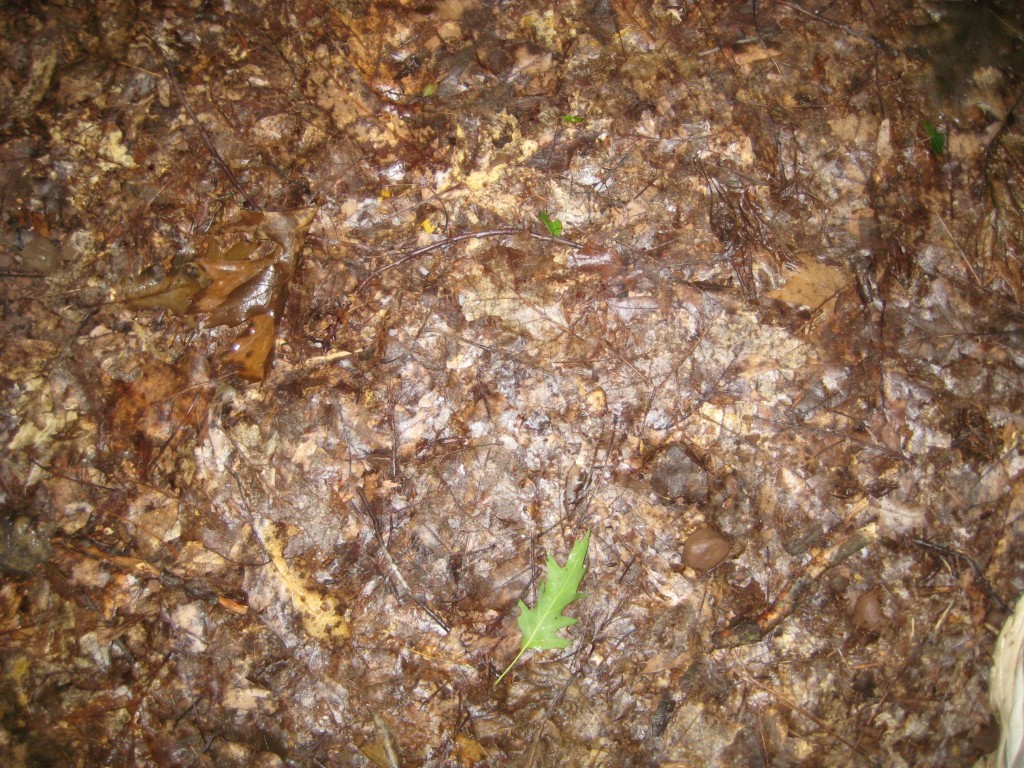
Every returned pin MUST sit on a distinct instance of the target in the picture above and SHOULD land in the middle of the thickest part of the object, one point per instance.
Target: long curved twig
(448, 241)
(173, 79)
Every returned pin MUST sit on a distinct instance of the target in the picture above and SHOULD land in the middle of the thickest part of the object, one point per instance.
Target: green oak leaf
(936, 139)
(554, 225)
(540, 624)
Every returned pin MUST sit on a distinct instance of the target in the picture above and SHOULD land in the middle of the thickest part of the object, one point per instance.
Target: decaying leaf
(250, 352)
(215, 588)
(230, 288)
(226, 276)
(383, 752)
(241, 290)
(811, 284)
(240, 251)
(174, 291)
(286, 228)
(470, 752)
(262, 294)
(285, 587)
(540, 625)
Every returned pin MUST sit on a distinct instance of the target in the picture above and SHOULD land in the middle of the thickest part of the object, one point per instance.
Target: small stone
(39, 254)
(867, 611)
(704, 549)
(677, 477)
(23, 545)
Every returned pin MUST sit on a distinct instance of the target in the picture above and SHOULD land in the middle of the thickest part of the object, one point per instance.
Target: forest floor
(325, 324)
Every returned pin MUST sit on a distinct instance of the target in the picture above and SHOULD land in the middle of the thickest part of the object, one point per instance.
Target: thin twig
(788, 702)
(172, 78)
(23, 273)
(826, 556)
(983, 582)
(449, 241)
(967, 261)
(837, 25)
(402, 588)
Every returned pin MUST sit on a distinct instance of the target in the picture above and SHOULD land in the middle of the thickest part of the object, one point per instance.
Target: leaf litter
(297, 383)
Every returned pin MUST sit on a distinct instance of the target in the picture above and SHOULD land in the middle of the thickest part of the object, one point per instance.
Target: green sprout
(554, 225)
(429, 90)
(936, 139)
(572, 119)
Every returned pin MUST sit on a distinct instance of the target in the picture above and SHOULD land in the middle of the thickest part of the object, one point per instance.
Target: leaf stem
(511, 664)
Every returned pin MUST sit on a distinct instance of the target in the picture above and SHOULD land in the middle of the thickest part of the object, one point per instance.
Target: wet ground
(325, 324)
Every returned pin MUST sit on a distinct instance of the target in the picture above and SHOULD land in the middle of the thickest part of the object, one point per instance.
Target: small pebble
(705, 548)
(39, 254)
(867, 611)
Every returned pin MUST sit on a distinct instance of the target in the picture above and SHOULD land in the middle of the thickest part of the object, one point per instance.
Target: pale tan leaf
(811, 284)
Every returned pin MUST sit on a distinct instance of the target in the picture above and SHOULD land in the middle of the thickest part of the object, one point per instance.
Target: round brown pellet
(867, 611)
(705, 548)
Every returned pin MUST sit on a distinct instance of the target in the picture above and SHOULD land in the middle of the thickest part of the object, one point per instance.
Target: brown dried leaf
(286, 228)
(145, 413)
(240, 251)
(597, 257)
(265, 291)
(469, 750)
(250, 352)
(173, 292)
(226, 276)
(262, 294)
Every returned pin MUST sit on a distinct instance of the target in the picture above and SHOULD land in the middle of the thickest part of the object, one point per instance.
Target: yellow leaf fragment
(469, 750)
(383, 752)
(320, 613)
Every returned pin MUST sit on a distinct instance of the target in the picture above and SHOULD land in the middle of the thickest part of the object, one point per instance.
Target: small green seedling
(936, 139)
(572, 119)
(429, 90)
(554, 225)
(540, 625)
